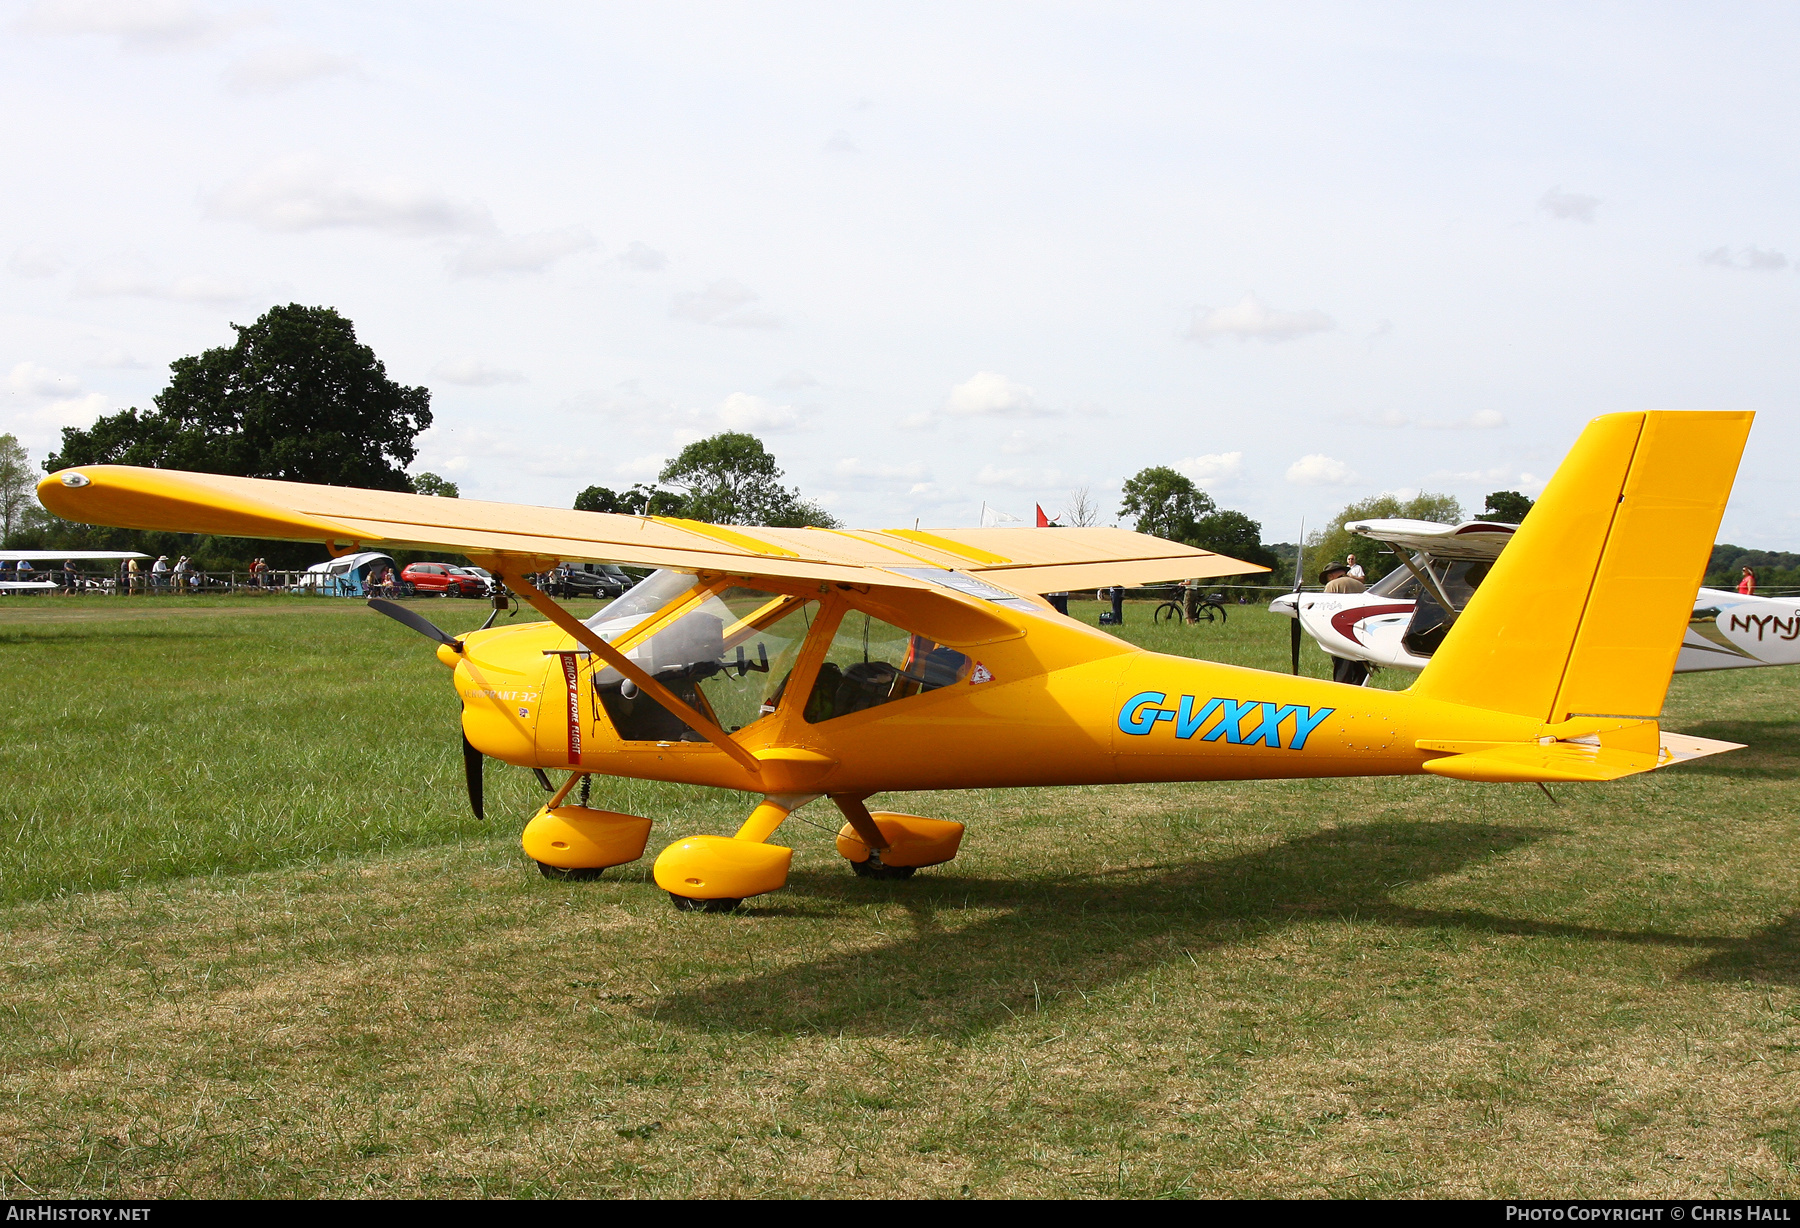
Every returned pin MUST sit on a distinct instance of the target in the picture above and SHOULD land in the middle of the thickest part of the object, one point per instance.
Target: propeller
(431, 631)
(1299, 573)
(418, 622)
(472, 774)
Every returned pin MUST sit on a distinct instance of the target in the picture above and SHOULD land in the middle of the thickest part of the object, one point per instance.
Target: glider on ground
(1401, 620)
(794, 664)
(55, 559)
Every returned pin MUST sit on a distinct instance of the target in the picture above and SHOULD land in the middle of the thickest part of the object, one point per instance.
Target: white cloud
(1214, 469)
(135, 278)
(854, 469)
(1752, 259)
(475, 373)
(139, 25)
(1317, 469)
(531, 253)
(642, 258)
(1568, 206)
(795, 380)
(742, 412)
(36, 260)
(1480, 420)
(303, 193)
(989, 395)
(274, 69)
(119, 358)
(38, 426)
(1021, 479)
(839, 142)
(1021, 443)
(31, 379)
(1250, 319)
(641, 468)
(725, 304)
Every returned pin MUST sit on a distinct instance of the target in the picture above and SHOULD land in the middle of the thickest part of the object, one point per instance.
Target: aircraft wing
(1020, 561)
(1473, 539)
(58, 556)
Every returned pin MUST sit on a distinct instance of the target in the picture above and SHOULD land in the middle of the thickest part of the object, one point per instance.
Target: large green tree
(1507, 507)
(296, 397)
(730, 478)
(640, 500)
(1234, 535)
(1335, 543)
(1164, 503)
(18, 488)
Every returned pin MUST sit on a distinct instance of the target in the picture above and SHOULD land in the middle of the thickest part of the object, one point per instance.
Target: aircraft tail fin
(1582, 616)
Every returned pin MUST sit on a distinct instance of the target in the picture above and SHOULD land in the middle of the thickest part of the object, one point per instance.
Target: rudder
(1583, 613)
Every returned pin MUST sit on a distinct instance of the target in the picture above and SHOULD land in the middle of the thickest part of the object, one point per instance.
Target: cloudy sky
(933, 255)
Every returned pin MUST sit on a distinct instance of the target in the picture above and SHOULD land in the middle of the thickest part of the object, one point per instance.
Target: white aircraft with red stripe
(1400, 620)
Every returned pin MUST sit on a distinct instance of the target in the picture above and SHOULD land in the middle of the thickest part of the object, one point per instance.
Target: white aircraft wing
(57, 556)
(1473, 539)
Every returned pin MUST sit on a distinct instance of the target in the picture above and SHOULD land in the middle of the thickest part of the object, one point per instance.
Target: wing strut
(588, 639)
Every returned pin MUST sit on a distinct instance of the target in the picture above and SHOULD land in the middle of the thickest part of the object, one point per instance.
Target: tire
(873, 868)
(685, 903)
(1167, 609)
(563, 874)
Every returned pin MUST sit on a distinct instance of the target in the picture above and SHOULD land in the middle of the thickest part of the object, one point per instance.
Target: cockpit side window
(871, 662)
(1399, 583)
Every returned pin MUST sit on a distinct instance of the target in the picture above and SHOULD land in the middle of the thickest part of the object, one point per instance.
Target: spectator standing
(1747, 586)
(181, 568)
(134, 576)
(71, 581)
(1338, 579)
(1354, 569)
(159, 572)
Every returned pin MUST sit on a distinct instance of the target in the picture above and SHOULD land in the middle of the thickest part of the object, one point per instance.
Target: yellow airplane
(807, 663)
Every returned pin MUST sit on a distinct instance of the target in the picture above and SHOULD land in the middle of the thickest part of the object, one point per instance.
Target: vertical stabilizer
(1583, 613)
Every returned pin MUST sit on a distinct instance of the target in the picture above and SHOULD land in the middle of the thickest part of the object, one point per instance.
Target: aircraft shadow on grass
(1085, 932)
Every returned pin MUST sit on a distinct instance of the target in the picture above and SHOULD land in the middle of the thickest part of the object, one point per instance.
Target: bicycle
(1210, 608)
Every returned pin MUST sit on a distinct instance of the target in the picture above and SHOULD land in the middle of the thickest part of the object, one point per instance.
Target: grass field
(257, 946)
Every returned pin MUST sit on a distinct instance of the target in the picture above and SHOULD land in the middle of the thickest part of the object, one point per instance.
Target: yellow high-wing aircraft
(800, 663)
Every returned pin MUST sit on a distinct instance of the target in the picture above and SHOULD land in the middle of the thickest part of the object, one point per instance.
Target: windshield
(643, 599)
(729, 657)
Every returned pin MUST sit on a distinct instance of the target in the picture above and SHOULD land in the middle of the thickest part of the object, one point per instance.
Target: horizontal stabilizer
(1570, 761)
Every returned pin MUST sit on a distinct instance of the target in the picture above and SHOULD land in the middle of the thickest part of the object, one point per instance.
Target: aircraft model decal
(1788, 628)
(797, 664)
(1142, 712)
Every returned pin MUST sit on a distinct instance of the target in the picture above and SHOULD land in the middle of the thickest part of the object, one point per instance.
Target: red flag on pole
(1043, 520)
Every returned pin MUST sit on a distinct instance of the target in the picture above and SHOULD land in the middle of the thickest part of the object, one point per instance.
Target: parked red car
(443, 580)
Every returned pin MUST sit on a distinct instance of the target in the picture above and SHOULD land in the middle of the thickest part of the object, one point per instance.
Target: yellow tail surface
(1582, 616)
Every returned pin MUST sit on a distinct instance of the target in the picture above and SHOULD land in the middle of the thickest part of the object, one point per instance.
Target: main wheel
(873, 868)
(686, 903)
(565, 874)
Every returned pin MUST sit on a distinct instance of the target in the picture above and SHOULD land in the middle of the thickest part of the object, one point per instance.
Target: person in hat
(1338, 579)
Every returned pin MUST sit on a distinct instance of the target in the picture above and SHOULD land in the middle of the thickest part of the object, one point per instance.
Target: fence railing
(193, 583)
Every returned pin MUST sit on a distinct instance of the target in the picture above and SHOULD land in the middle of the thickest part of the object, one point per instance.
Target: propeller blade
(472, 774)
(1294, 641)
(418, 622)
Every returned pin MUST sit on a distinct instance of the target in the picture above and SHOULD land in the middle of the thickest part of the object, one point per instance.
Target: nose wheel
(570, 874)
(873, 867)
(685, 903)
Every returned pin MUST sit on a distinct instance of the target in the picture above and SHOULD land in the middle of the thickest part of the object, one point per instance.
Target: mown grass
(259, 947)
